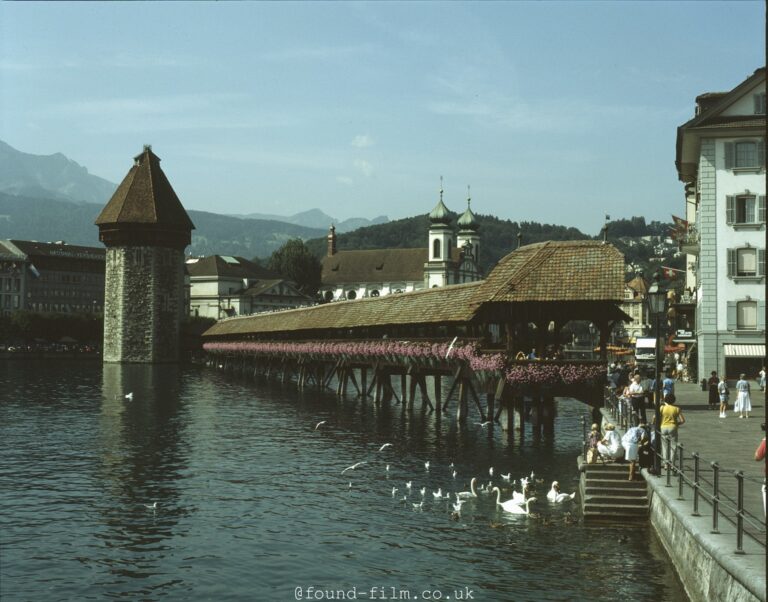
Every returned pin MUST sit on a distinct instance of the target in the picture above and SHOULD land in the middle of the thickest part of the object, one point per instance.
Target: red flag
(680, 223)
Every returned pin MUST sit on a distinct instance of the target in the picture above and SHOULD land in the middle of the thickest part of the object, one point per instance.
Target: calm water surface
(252, 505)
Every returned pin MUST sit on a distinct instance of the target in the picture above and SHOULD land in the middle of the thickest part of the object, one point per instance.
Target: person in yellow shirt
(671, 419)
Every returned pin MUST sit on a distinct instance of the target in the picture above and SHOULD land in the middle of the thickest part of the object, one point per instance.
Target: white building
(721, 160)
(222, 286)
(448, 259)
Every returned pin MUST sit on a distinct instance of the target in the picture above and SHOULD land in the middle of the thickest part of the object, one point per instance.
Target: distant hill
(50, 176)
(28, 218)
(315, 218)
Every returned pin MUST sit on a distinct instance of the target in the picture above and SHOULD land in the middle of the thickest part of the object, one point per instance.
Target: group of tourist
(718, 392)
(636, 446)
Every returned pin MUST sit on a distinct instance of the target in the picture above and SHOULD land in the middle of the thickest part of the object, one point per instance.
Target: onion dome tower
(438, 267)
(145, 229)
(468, 230)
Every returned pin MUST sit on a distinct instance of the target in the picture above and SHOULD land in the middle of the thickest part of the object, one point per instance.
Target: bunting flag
(671, 273)
(680, 223)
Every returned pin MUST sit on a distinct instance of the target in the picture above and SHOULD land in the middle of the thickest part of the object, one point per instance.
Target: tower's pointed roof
(467, 220)
(145, 197)
(440, 214)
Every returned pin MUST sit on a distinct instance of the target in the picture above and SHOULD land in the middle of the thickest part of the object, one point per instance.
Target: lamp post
(657, 306)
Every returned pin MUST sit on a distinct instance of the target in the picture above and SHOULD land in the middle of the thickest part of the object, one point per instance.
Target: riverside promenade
(708, 563)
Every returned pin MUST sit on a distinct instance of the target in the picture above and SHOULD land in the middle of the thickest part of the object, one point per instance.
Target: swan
(462, 495)
(507, 477)
(555, 496)
(511, 505)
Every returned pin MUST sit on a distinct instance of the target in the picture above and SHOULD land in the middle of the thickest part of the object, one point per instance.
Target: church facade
(450, 257)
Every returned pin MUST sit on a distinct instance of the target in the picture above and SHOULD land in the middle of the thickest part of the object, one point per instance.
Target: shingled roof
(436, 305)
(578, 270)
(551, 271)
(145, 196)
(227, 267)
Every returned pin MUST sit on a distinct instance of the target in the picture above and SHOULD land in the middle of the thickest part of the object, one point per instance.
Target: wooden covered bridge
(470, 334)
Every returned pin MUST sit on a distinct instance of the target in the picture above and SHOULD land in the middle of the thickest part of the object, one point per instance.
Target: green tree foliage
(29, 326)
(294, 261)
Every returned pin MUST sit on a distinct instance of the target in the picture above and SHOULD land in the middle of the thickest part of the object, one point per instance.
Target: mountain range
(52, 198)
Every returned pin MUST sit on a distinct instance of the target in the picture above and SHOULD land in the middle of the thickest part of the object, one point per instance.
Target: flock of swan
(519, 503)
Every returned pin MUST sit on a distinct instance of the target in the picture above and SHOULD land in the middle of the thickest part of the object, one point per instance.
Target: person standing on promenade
(713, 396)
(722, 390)
(671, 419)
(680, 367)
(636, 397)
(761, 378)
(760, 456)
(743, 403)
(667, 385)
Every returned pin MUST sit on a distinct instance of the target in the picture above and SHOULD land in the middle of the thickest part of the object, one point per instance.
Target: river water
(252, 505)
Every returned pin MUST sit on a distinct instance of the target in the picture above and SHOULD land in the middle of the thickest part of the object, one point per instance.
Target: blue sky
(552, 112)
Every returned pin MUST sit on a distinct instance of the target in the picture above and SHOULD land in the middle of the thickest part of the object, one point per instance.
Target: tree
(294, 261)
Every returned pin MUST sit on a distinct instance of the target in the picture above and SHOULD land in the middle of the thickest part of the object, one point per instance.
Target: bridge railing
(701, 480)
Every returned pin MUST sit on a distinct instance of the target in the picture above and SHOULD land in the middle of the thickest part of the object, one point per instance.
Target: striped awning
(744, 350)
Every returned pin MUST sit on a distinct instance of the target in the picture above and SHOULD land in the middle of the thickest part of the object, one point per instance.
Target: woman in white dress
(743, 403)
(610, 447)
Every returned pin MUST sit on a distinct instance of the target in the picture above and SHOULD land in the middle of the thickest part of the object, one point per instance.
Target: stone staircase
(607, 495)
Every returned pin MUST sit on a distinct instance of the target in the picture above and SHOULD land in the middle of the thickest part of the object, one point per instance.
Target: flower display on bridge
(443, 354)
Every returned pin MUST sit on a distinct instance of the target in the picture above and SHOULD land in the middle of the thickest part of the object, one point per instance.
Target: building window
(436, 249)
(759, 103)
(745, 209)
(746, 262)
(745, 154)
(746, 315)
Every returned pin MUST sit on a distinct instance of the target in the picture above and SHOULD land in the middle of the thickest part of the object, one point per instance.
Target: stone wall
(143, 304)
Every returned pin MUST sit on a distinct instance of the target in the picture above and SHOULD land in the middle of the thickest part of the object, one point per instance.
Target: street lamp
(657, 307)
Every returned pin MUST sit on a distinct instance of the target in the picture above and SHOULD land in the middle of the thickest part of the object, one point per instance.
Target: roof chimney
(332, 241)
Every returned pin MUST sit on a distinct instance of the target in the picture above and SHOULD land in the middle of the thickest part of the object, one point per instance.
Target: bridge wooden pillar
(548, 416)
(438, 384)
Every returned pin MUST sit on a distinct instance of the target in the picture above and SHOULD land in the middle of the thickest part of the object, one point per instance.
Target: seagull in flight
(385, 446)
(319, 424)
(408, 485)
(394, 491)
(450, 347)
(426, 465)
(485, 424)
(151, 506)
(353, 467)
(129, 396)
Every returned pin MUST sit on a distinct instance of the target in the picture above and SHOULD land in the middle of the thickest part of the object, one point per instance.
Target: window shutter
(761, 153)
(761, 208)
(761, 314)
(761, 262)
(756, 98)
(728, 155)
(730, 209)
(731, 315)
(731, 262)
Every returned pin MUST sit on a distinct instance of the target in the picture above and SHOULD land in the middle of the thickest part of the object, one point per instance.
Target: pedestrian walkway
(731, 442)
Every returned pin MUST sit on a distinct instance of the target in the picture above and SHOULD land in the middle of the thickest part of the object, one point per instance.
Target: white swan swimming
(462, 495)
(555, 496)
(511, 505)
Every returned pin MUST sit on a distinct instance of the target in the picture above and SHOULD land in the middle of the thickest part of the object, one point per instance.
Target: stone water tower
(145, 229)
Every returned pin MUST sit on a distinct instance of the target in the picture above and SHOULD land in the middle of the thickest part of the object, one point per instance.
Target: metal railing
(697, 480)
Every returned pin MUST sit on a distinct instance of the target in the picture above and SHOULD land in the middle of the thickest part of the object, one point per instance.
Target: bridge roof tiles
(578, 270)
(446, 304)
(562, 271)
